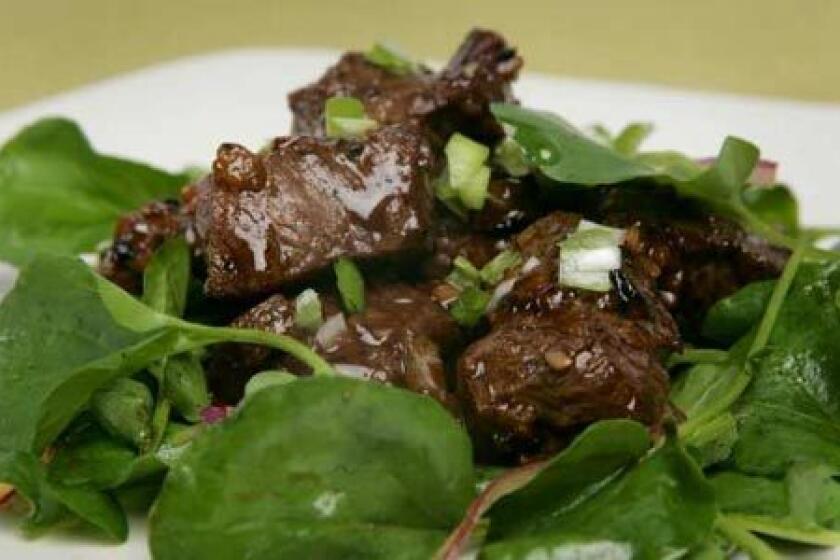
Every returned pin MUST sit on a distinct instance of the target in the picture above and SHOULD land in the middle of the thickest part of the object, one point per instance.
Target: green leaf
(185, 385)
(124, 408)
(564, 153)
(599, 500)
(318, 468)
(57, 195)
(390, 58)
(732, 317)
(802, 507)
(66, 332)
(166, 278)
(265, 379)
(774, 205)
(52, 502)
(351, 285)
(630, 139)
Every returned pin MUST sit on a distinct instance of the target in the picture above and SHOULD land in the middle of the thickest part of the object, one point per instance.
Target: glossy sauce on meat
(275, 219)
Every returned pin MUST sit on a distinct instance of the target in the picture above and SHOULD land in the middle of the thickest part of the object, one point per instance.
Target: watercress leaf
(269, 378)
(331, 468)
(185, 385)
(88, 456)
(733, 316)
(565, 154)
(673, 509)
(59, 342)
(124, 408)
(66, 332)
(774, 205)
(802, 507)
(49, 170)
(52, 502)
(791, 411)
(166, 278)
(529, 493)
(629, 140)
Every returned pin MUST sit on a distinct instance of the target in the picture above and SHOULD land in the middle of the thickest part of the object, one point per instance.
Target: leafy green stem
(202, 335)
(744, 540)
(698, 356)
(777, 298)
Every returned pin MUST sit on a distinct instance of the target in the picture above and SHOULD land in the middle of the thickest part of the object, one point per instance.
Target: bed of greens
(104, 410)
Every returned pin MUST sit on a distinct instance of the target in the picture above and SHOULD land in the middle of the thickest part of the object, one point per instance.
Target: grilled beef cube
(511, 205)
(536, 379)
(400, 339)
(558, 358)
(452, 238)
(693, 257)
(270, 220)
(136, 237)
(457, 98)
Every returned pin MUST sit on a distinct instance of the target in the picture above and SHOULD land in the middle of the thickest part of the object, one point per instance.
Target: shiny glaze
(274, 219)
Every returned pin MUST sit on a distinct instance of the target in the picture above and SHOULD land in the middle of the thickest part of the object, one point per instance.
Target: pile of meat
(545, 361)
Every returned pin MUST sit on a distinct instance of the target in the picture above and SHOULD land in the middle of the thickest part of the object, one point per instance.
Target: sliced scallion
(510, 156)
(464, 274)
(588, 255)
(390, 58)
(308, 311)
(351, 285)
(470, 306)
(493, 272)
(467, 177)
(344, 117)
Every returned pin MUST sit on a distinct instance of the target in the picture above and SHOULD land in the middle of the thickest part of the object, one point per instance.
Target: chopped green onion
(463, 274)
(345, 117)
(493, 272)
(266, 379)
(465, 157)
(473, 192)
(588, 255)
(351, 285)
(450, 198)
(470, 306)
(390, 58)
(308, 312)
(467, 174)
(510, 156)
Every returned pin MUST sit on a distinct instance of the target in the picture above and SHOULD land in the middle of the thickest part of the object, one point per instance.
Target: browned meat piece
(511, 204)
(536, 379)
(558, 358)
(136, 237)
(457, 98)
(693, 257)
(398, 339)
(274, 219)
(452, 238)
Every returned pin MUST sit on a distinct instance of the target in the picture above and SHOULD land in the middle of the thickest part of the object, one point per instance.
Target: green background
(776, 47)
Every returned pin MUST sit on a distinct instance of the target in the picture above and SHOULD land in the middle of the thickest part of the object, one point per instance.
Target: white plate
(176, 114)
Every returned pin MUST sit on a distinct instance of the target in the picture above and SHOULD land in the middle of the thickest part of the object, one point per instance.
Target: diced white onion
(588, 255)
(330, 330)
(500, 293)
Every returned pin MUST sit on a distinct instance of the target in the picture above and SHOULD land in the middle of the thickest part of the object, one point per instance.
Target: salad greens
(105, 398)
(50, 170)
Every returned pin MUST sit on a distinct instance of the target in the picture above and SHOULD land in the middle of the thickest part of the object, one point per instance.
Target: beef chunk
(400, 339)
(558, 358)
(511, 204)
(693, 257)
(274, 219)
(536, 379)
(136, 237)
(457, 98)
(452, 238)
